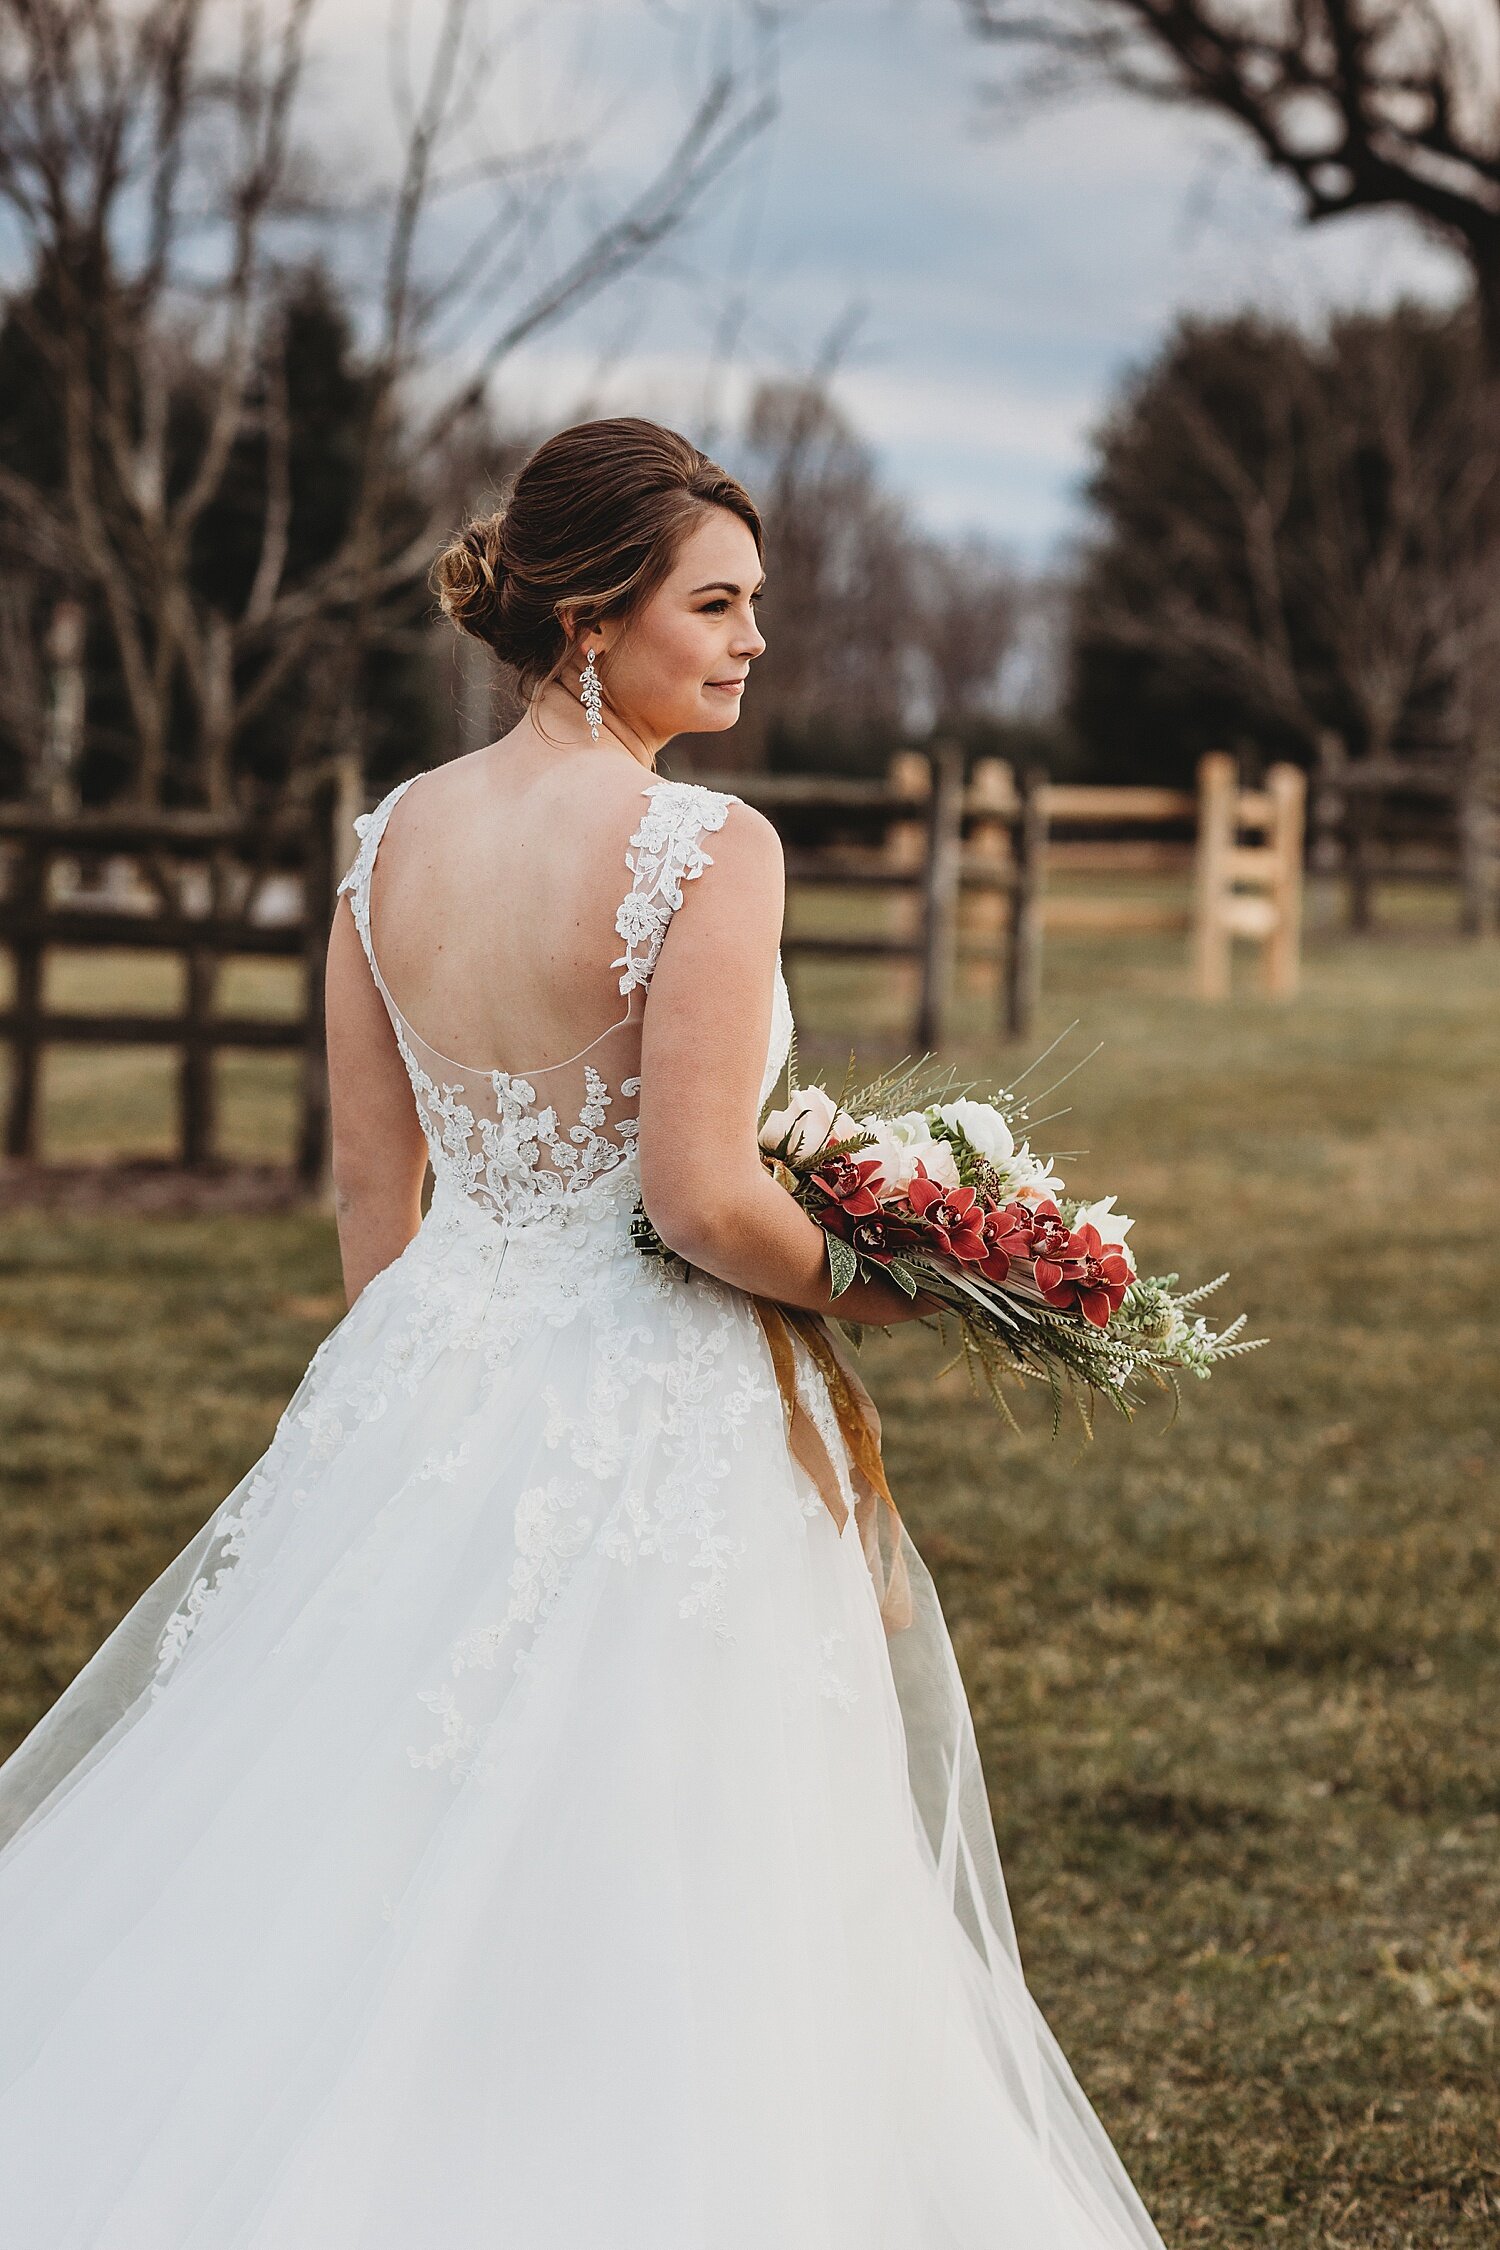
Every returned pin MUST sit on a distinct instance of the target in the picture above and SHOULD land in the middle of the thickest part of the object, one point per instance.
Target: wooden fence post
(1023, 958)
(1218, 788)
(1286, 786)
(321, 871)
(196, 1080)
(29, 899)
(1478, 821)
(1358, 859)
(349, 800)
(990, 803)
(940, 891)
(908, 775)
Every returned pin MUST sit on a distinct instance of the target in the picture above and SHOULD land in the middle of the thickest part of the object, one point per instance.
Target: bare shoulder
(749, 844)
(739, 897)
(747, 883)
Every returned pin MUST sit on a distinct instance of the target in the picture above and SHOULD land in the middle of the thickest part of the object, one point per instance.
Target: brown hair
(595, 518)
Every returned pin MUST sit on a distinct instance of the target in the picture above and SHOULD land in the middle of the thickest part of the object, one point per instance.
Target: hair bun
(481, 590)
(469, 577)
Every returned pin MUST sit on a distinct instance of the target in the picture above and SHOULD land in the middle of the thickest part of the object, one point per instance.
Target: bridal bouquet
(945, 1197)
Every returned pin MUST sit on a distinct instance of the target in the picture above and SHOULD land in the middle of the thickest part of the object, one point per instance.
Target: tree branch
(1361, 105)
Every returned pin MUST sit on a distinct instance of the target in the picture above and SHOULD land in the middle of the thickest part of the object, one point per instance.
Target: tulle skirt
(510, 1822)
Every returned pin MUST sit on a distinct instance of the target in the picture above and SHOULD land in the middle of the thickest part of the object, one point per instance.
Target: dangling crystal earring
(591, 696)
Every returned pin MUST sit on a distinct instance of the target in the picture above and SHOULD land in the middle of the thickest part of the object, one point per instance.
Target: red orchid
(1092, 1274)
(955, 1216)
(1009, 1229)
(853, 1210)
(847, 1181)
(1022, 1230)
(1051, 1239)
(879, 1236)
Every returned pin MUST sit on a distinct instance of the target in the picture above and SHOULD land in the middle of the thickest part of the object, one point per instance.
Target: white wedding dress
(509, 1822)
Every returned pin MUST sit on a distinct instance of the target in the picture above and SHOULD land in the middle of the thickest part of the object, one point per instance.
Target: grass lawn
(1237, 1684)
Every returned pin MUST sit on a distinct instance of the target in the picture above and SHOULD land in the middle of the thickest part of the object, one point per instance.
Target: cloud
(989, 413)
(985, 283)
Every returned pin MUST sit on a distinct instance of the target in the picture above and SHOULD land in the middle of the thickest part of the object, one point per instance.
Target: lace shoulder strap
(369, 828)
(664, 853)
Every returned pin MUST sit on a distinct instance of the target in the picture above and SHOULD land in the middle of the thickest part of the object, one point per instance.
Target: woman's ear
(599, 632)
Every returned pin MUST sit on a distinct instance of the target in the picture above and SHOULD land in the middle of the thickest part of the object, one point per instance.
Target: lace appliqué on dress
(517, 1161)
(685, 1414)
(664, 854)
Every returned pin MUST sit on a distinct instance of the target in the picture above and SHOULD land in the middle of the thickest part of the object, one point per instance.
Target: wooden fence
(1237, 853)
(968, 860)
(193, 880)
(974, 861)
(1429, 820)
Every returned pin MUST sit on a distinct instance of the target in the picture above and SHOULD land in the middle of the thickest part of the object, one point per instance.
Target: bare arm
(379, 1155)
(703, 1048)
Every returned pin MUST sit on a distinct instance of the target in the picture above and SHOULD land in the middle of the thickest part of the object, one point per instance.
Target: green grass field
(1237, 1684)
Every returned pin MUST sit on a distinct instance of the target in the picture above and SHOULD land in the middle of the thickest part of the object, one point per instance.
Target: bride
(517, 1819)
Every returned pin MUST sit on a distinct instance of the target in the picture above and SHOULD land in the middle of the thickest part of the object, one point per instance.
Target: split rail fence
(969, 860)
(192, 882)
(973, 860)
(1432, 820)
(1237, 852)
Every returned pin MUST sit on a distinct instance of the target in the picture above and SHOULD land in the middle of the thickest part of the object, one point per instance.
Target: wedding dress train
(510, 1821)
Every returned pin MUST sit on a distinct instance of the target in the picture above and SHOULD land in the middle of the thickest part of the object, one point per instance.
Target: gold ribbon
(875, 1514)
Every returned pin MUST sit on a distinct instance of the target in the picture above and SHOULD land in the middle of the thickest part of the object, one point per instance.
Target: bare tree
(837, 610)
(1311, 544)
(1361, 104)
(872, 629)
(152, 175)
(966, 618)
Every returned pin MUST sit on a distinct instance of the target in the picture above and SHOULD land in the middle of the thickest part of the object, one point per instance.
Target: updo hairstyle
(595, 518)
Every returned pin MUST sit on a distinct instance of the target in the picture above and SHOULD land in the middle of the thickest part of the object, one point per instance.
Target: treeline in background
(239, 410)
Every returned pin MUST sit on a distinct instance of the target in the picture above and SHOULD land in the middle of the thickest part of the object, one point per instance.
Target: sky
(983, 280)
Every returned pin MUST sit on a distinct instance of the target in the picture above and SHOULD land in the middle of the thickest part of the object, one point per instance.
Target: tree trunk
(1484, 260)
(216, 715)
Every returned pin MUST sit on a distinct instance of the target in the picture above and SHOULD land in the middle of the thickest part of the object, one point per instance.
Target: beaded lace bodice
(522, 1143)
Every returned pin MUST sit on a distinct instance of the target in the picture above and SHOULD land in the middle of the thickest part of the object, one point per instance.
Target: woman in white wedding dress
(512, 1821)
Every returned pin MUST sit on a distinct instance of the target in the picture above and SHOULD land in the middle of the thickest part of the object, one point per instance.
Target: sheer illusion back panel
(518, 1139)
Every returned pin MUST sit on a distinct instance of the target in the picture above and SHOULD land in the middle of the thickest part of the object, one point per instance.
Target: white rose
(811, 1118)
(894, 1158)
(1112, 1225)
(897, 1143)
(900, 1143)
(937, 1160)
(983, 1127)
